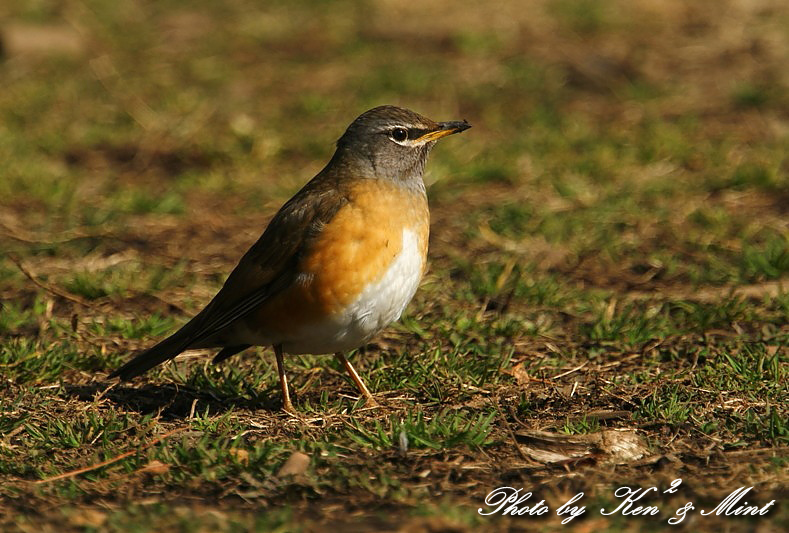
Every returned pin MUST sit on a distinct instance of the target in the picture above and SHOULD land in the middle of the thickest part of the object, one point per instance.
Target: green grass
(446, 430)
(610, 237)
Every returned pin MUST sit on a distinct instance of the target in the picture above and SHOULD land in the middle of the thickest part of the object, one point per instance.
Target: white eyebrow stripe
(390, 127)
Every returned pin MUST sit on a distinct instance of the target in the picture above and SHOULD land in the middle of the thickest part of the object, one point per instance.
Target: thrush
(336, 264)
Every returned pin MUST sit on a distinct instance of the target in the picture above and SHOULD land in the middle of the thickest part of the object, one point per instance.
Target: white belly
(380, 304)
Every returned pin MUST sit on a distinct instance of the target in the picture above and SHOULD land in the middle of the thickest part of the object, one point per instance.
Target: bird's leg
(283, 380)
(369, 400)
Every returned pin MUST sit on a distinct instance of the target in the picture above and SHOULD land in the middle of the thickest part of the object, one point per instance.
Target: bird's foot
(370, 403)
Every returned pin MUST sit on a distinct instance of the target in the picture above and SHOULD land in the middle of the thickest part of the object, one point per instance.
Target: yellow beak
(444, 129)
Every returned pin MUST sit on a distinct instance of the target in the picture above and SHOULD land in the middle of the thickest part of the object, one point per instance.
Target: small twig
(541, 380)
(576, 369)
(757, 451)
(515, 416)
(601, 415)
(109, 461)
(50, 288)
(514, 438)
(612, 364)
(105, 391)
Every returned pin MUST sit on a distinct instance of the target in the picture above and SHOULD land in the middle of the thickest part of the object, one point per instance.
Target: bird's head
(393, 143)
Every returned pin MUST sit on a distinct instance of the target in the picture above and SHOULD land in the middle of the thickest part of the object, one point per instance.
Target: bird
(336, 264)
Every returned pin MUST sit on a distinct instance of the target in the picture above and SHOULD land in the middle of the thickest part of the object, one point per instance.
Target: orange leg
(283, 380)
(369, 400)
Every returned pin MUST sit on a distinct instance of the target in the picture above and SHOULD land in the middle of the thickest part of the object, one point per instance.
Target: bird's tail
(166, 349)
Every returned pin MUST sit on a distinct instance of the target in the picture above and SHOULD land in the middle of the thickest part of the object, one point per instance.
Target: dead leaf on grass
(520, 374)
(296, 465)
(609, 446)
(155, 468)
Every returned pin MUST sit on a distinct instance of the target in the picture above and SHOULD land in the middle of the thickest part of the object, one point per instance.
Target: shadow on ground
(169, 401)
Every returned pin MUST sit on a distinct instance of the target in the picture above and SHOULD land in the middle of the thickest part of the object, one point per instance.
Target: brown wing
(268, 267)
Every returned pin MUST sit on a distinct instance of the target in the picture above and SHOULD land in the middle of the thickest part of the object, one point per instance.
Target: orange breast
(353, 250)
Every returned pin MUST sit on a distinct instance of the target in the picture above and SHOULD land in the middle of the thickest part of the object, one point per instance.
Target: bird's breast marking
(359, 273)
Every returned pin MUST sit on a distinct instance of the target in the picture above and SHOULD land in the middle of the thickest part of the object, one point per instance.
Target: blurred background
(612, 235)
(613, 136)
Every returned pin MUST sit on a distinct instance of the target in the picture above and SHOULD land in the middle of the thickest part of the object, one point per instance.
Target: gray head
(390, 142)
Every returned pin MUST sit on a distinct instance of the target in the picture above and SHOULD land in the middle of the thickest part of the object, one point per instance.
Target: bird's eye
(399, 134)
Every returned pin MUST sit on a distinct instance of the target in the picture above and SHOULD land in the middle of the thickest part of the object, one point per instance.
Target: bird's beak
(444, 129)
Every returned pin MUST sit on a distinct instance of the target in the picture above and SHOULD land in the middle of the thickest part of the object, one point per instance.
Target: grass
(446, 431)
(609, 250)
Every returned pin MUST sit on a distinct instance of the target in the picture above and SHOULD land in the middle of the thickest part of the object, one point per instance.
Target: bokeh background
(670, 111)
(623, 191)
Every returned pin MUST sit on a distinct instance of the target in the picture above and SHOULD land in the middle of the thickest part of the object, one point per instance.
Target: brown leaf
(519, 373)
(296, 465)
(155, 468)
(610, 446)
